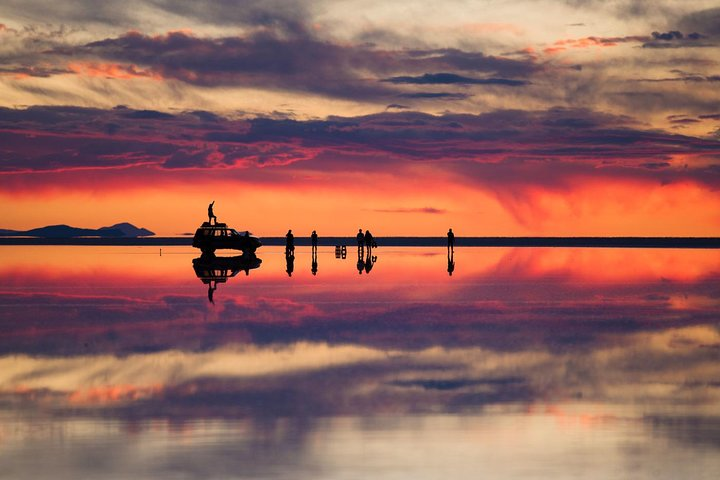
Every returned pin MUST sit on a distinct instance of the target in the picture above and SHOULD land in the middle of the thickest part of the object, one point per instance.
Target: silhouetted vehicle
(210, 268)
(209, 238)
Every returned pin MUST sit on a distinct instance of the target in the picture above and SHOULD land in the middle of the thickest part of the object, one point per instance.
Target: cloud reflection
(513, 326)
(672, 366)
(137, 372)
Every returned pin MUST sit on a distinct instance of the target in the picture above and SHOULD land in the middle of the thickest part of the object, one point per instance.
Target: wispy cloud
(430, 210)
(451, 78)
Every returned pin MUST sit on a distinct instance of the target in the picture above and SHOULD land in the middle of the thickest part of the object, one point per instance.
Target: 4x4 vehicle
(210, 237)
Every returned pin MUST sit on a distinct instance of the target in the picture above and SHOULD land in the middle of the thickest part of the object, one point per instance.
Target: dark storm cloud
(397, 106)
(684, 120)
(706, 22)
(655, 165)
(149, 115)
(298, 61)
(430, 95)
(671, 35)
(286, 14)
(475, 62)
(452, 78)
(278, 51)
(676, 39)
(510, 146)
(684, 77)
(33, 71)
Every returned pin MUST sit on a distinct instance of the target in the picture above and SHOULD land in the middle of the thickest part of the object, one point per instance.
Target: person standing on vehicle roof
(211, 215)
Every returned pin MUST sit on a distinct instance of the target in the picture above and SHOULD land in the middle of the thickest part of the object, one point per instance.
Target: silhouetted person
(451, 263)
(368, 241)
(211, 215)
(212, 286)
(451, 240)
(289, 263)
(360, 240)
(289, 243)
(314, 240)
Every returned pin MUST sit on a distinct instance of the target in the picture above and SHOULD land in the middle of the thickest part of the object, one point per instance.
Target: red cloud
(112, 70)
(587, 42)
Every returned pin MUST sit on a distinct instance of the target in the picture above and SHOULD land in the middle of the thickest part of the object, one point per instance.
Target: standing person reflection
(360, 242)
(289, 243)
(314, 244)
(451, 262)
(360, 261)
(289, 263)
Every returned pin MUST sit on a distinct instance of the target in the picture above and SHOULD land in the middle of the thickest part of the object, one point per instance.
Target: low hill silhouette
(119, 230)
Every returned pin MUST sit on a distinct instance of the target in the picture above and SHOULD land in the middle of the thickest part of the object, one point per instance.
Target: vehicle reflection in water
(213, 270)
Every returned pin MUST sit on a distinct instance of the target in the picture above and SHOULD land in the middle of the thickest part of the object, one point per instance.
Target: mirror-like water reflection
(527, 363)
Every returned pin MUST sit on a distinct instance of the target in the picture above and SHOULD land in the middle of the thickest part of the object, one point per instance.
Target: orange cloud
(112, 70)
(588, 42)
(106, 394)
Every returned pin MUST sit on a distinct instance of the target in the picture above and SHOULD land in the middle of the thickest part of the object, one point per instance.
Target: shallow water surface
(122, 362)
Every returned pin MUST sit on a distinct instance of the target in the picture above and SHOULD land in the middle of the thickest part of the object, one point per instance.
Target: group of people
(290, 252)
(365, 242)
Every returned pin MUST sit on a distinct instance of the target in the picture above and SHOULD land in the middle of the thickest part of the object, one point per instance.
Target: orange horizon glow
(385, 204)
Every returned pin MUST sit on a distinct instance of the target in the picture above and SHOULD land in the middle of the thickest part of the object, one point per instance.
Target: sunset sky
(494, 117)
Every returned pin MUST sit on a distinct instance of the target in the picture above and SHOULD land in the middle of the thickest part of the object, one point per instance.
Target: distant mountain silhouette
(119, 230)
(129, 230)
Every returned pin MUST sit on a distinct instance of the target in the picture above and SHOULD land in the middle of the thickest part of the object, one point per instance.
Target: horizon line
(399, 241)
